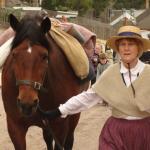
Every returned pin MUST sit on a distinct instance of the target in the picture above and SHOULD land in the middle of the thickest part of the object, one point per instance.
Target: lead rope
(50, 131)
(133, 90)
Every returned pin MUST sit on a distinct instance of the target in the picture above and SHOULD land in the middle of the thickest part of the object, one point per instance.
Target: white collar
(136, 70)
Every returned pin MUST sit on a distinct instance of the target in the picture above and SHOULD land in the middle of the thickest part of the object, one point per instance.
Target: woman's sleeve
(79, 103)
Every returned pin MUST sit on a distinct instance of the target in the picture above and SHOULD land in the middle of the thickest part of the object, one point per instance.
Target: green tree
(50, 4)
(99, 6)
(128, 4)
(80, 5)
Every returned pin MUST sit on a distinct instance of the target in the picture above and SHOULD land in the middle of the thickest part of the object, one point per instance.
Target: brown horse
(37, 74)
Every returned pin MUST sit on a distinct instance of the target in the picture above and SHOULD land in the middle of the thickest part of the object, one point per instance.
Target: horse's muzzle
(27, 109)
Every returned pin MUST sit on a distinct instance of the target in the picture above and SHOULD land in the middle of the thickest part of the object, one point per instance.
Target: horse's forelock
(29, 29)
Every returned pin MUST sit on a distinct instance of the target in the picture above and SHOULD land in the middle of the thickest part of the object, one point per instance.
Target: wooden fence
(102, 30)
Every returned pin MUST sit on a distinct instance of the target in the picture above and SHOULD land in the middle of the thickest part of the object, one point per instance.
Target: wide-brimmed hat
(129, 32)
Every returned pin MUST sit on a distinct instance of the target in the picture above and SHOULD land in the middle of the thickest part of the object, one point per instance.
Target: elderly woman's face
(128, 50)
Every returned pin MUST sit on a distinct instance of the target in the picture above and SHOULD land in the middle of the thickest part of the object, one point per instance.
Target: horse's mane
(29, 29)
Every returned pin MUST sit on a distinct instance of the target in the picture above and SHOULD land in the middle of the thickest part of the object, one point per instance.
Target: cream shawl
(112, 89)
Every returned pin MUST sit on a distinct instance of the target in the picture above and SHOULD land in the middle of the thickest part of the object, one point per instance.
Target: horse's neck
(62, 81)
(58, 64)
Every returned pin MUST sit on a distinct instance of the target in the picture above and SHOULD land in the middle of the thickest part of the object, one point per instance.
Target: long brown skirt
(122, 134)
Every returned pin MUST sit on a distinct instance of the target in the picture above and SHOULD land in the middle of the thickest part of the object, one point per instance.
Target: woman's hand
(52, 114)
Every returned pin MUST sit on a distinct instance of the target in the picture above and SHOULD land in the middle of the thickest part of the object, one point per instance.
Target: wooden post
(2, 3)
(35, 3)
(125, 21)
(147, 4)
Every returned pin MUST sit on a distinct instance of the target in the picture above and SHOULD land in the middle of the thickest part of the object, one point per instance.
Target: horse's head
(30, 60)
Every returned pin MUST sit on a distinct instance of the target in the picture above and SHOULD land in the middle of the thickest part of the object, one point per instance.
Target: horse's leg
(48, 139)
(69, 142)
(17, 134)
(73, 121)
(60, 140)
(61, 133)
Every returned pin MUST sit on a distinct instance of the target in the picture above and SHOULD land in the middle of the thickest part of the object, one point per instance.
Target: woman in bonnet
(128, 94)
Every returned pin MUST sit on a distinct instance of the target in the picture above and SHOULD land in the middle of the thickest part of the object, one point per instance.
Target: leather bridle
(35, 85)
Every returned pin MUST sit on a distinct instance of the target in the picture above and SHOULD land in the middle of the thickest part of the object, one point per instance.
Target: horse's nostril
(26, 108)
(18, 102)
(36, 101)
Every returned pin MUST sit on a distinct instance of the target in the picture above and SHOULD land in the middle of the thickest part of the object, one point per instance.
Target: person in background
(125, 86)
(95, 58)
(103, 64)
(64, 19)
(95, 62)
(109, 53)
(146, 55)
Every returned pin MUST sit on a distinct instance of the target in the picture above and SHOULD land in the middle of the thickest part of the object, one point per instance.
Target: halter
(35, 85)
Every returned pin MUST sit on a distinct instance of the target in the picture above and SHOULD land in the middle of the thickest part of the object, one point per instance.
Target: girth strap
(33, 84)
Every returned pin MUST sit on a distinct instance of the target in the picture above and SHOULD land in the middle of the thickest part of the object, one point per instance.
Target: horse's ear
(13, 22)
(46, 25)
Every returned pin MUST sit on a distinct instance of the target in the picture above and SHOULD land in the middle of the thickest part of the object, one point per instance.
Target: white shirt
(135, 72)
(89, 98)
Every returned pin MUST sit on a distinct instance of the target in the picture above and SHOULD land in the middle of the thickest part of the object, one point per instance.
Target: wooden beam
(2, 3)
(147, 4)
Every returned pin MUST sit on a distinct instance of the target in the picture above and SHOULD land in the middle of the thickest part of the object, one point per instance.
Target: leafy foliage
(128, 4)
(49, 4)
(81, 5)
(98, 6)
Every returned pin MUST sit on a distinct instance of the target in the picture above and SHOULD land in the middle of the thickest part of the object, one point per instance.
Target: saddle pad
(73, 51)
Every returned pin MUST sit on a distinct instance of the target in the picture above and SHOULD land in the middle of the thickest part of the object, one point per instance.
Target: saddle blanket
(73, 51)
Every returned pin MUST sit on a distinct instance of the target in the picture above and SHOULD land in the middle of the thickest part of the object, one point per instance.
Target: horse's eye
(45, 57)
(14, 54)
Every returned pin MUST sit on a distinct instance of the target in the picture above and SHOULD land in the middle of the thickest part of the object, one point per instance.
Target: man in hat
(125, 86)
